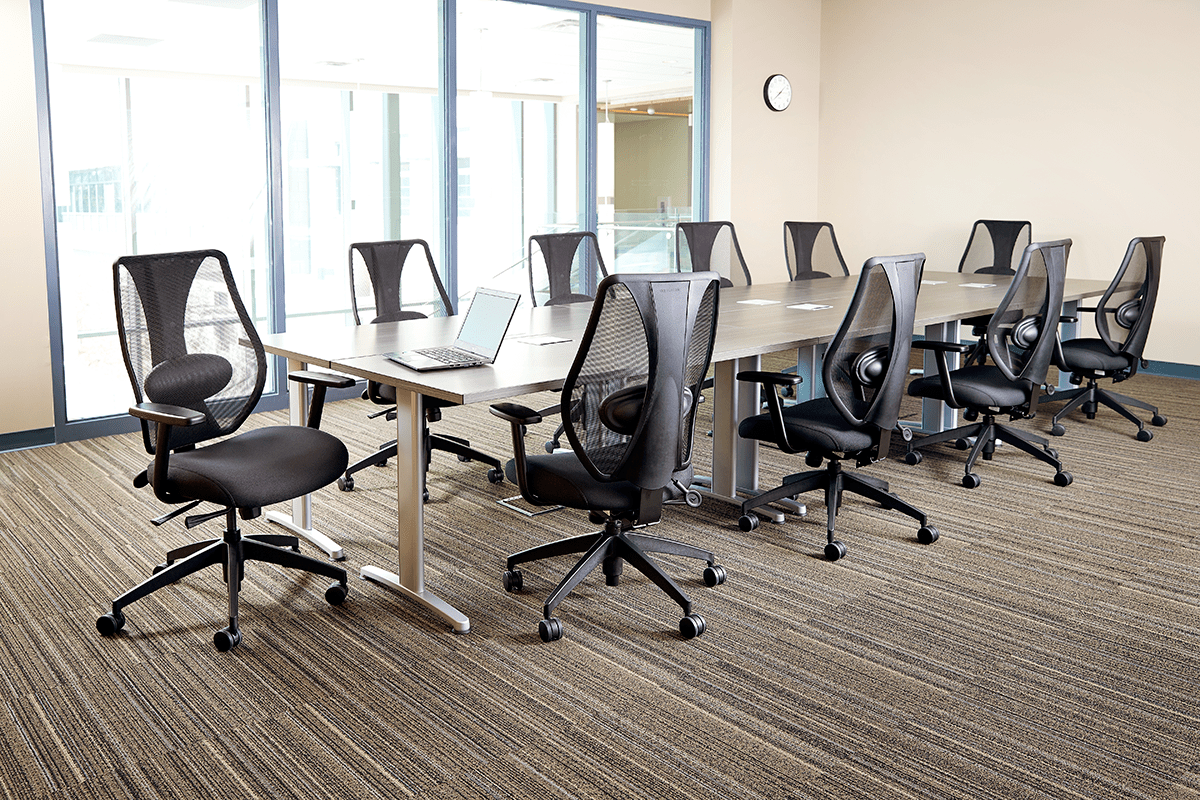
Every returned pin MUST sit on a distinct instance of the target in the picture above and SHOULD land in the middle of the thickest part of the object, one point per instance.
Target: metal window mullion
(447, 139)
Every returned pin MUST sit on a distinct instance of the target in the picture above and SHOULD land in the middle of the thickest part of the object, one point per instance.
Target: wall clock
(777, 92)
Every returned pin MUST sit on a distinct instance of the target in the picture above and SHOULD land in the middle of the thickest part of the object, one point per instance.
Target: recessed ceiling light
(129, 41)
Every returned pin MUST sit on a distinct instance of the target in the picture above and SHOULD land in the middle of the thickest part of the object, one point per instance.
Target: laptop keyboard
(448, 355)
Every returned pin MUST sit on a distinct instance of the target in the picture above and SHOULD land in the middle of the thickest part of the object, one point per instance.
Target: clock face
(777, 91)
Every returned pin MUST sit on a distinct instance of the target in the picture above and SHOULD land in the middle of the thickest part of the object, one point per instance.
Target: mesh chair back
(182, 326)
(995, 246)
(564, 267)
(1023, 330)
(812, 251)
(381, 290)
(867, 361)
(701, 246)
(1124, 312)
(629, 406)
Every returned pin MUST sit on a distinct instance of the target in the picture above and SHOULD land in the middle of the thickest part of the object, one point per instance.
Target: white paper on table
(977, 285)
(810, 307)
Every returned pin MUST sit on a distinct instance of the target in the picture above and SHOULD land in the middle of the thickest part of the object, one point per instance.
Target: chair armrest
(329, 380)
(321, 382)
(519, 416)
(771, 378)
(942, 347)
(165, 414)
(516, 413)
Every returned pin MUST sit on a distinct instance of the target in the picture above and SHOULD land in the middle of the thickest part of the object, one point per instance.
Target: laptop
(479, 338)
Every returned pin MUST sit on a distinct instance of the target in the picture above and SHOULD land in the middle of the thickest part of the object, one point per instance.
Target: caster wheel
(835, 550)
(1057, 429)
(927, 534)
(692, 498)
(913, 457)
(551, 630)
(971, 480)
(465, 459)
(692, 626)
(550, 447)
(335, 595)
(714, 575)
(748, 522)
(1063, 479)
(962, 444)
(346, 483)
(1050, 451)
(424, 495)
(513, 580)
(495, 475)
(225, 641)
(1144, 435)
(970, 415)
(110, 623)
(1158, 420)
(812, 459)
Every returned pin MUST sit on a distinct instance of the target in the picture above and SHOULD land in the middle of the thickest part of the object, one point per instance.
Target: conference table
(800, 316)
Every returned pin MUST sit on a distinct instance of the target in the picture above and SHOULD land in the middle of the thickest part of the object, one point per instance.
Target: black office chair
(864, 370)
(198, 367)
(1117, 354)
(629, 416)
(566, 260)
(1021, 338)
(993, 248)
(701, 246)
(381, 291)
(811, 251)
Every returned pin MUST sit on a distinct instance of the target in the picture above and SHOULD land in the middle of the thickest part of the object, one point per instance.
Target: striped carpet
(1048, 646)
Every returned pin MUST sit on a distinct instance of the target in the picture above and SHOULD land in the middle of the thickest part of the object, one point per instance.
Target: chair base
(433, 441)
(834, 481)
(231, 552)
(987, 433)
(1090, 397)
(610, 548)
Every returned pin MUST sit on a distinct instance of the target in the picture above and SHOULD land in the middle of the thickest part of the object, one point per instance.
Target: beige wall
(24, 324)
(764, 163)
(1082, 116)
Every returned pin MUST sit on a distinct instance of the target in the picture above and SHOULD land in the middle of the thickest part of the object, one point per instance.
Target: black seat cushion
(813, 425)
(980, 386)
(1092, 355)
(561, 479)
(258, 467)
(386, 395)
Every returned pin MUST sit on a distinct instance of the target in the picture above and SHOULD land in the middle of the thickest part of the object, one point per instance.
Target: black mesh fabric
(995, 246)
(867, 360)
(630, 392)
(702, 246)
(564, 267)
(383, 290)
(616, 357)
(1124, 312)
(182, 333)
(1023, 329)
(812, 251)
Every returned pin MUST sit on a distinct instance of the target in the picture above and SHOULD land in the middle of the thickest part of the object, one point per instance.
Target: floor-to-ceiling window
(518, 133)
(167, 119)
(645, 139)
(158, 144)
(358, 100)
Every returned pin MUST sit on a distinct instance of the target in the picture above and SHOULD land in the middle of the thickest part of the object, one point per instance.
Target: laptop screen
(486, 322)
